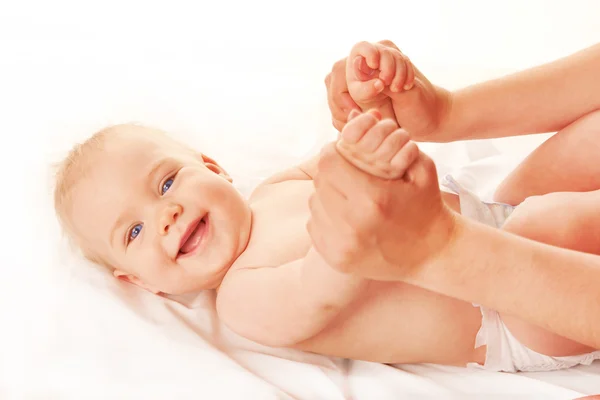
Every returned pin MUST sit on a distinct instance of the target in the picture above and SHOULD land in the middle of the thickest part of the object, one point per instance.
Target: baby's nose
(168, 216)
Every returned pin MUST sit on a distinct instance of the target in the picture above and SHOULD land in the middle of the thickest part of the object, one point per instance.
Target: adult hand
(338, 97)
(378, 228)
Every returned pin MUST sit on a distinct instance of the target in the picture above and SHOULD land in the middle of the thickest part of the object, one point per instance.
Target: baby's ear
(124, 276)
(215, 167)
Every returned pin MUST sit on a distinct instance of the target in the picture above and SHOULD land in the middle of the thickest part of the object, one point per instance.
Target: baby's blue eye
(134, 232)
(166, 186)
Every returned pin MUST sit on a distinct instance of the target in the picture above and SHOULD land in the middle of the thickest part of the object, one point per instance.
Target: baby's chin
(196, 284)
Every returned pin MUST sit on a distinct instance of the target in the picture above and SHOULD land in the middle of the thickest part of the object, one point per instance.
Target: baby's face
(167, 218)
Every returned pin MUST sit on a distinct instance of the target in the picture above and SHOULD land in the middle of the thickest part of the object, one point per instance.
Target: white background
(232, 77)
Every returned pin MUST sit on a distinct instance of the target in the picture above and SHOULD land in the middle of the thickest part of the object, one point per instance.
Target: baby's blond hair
(68, 173)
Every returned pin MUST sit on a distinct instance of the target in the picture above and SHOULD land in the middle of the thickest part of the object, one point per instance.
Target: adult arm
(542, 99)
(551, 287)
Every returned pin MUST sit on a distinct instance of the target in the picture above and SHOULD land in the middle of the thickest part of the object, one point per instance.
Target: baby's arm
(285, 305)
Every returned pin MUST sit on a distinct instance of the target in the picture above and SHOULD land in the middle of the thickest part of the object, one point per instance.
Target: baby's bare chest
(279, 218)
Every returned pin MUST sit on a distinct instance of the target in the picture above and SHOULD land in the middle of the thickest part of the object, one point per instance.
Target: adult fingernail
(408, 86)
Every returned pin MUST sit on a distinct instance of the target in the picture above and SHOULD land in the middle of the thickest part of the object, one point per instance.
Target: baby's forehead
(136, 148)
(115, 171)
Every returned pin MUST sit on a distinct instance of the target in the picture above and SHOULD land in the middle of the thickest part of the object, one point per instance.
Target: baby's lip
(188, 232)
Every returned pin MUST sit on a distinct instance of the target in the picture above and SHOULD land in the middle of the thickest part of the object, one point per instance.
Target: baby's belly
(399, 323)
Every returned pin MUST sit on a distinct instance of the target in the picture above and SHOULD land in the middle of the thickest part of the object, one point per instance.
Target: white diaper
(504, 352)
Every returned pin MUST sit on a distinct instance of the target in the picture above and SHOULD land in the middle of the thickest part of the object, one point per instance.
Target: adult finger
(338, 98)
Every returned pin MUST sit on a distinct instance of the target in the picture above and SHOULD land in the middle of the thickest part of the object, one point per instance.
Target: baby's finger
(392, 145)
(357, 127)
(368, 51)
(410, 74)
(387, 67)
(362, 71)
(400, 74)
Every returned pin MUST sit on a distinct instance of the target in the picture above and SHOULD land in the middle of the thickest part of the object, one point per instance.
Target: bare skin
(551, 288)
(384, 322)
(273, 285)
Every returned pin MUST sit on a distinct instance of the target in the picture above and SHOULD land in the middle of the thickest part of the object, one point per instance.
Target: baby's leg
(544, 219)
(567, 162)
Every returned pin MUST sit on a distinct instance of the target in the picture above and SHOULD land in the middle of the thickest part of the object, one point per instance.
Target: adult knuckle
(428, 163)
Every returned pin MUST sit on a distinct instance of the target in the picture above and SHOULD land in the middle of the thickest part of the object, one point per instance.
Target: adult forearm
(554, 288)
(541, 99)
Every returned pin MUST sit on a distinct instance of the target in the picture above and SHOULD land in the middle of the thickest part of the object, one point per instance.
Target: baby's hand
(377, 146)
(371, 67)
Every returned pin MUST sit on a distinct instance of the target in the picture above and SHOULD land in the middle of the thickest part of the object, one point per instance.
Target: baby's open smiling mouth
(192, 238)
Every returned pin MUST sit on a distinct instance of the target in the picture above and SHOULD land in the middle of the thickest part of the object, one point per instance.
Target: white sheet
(246, 88)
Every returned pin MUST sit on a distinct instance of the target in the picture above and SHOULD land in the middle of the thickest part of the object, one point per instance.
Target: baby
(166, 218)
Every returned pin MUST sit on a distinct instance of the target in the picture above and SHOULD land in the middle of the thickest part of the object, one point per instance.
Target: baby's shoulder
(285, 182)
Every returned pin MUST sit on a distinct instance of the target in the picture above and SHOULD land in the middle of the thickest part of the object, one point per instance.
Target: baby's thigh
(564, 219)
(558, 219)
(568, 161)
